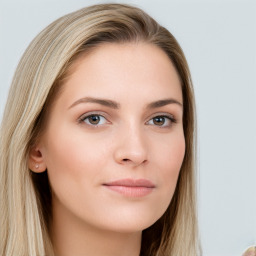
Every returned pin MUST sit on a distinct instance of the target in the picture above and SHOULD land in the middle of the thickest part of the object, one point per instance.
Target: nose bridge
(131, 147)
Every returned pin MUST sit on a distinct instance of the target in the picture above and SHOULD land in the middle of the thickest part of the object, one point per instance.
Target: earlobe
(36, 162)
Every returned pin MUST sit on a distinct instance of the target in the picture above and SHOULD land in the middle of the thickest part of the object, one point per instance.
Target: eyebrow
(104, 102)
(161, 103)
(115, 105)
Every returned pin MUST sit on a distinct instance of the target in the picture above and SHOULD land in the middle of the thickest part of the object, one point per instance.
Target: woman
(97, 141)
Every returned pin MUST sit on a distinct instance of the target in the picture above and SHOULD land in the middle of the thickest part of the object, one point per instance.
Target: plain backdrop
(219, 41)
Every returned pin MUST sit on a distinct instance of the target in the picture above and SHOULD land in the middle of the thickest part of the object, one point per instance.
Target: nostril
(125, 160)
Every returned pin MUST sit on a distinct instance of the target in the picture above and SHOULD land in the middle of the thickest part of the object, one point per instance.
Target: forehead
(112, 69)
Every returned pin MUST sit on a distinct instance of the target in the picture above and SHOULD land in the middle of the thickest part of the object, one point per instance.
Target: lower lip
(131, 191)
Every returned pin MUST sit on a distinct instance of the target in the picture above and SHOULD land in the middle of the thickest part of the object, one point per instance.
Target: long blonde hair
(25, 206)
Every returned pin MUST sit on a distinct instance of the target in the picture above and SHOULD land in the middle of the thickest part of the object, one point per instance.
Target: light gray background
(219, 41)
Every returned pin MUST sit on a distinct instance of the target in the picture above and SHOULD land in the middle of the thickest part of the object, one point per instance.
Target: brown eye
(162, 121)
(159, 120)
(93, 120)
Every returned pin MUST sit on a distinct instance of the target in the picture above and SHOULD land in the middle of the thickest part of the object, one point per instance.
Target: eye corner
(93, 120)
(164, 120)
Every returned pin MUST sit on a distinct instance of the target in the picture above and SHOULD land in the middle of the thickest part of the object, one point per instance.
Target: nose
(131, 149)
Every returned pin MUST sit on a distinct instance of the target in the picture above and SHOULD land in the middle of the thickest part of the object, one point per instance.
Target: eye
(162, 121)
(93, 119)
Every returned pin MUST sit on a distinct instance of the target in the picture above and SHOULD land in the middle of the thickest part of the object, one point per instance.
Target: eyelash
(82, 119)
(168, 117)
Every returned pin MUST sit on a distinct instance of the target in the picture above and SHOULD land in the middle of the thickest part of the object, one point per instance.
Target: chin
(131, 222)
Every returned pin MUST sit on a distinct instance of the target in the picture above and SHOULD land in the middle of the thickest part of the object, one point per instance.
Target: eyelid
(171, 118)
(81, 119)
(93, 113)
(163, 114)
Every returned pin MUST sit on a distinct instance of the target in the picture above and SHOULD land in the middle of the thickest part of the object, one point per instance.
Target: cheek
(75, 164)
(73, 157)
(61, 154)
(170, 158)
(62, 159)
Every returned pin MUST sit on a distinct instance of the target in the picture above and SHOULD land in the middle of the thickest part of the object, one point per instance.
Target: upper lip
(131, 183)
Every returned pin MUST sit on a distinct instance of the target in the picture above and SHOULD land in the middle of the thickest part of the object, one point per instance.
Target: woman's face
(114, 143)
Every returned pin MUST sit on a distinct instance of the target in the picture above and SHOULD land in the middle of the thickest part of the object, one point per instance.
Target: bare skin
(98, 242)
(119, 117)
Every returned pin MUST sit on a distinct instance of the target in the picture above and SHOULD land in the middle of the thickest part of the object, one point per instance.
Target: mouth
(131, 187)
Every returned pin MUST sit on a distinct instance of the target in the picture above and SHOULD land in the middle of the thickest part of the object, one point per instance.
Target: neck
(71, 236)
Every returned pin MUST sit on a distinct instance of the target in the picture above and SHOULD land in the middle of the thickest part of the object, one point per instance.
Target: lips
(131, 187)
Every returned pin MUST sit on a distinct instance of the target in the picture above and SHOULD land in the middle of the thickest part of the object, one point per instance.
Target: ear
(36, 162)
